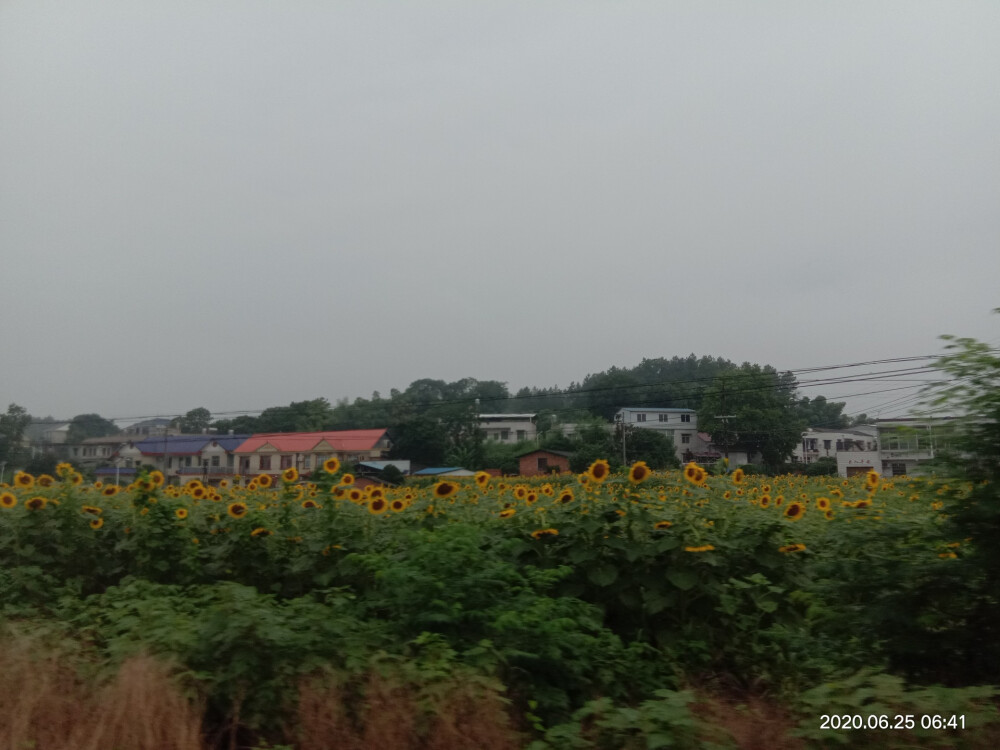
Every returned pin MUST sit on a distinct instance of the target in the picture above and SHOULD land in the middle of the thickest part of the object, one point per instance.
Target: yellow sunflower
(445, 489)
(599, 471)
(871, 479)
(237, 509)
(157, 478)
(36, 503)
(97, 523)
(397, 505)
(482, 478)
(8, 499)
(291, 474)
(46, 481)
(638, 472)
(662, 525)
(795, 511)
(23, 480)
(91, 509)
(544, 533)
(310, 504)
(347, 479)
(792, 548)
(181, 513)
(377, 506)
(566, 496)
(823, 503)
(331, 465)
(261, 531)
(264, 480)
(738, 476)
(507, 513)
(702, 548)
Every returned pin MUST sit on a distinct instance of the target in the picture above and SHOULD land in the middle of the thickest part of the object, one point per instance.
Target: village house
(209, 458)
(680, 426)
(902, 447)
(543, 461)
(817, 443)
(272, 453)
(508, 428)
(97, 451)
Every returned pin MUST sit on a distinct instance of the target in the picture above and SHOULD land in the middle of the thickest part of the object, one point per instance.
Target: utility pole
(621, 422)
(724, 418)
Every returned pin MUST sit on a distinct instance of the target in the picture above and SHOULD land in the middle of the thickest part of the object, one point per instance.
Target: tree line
(435, 422)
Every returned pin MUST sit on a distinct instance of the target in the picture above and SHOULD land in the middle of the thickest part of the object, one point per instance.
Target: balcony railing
(209, 470)
(915, 454)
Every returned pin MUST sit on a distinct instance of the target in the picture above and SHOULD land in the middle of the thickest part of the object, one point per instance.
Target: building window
(685, 417)
(899, 469)
(187, 460)
(505, 435)
(685, 437)
(520, 435)
(543, 464)
(826, 445)
(215, 460)
(170, 462)
(307, 462)
(286, 462)
(640, 417)
(265, 462)
(663, 417)
(229, 460)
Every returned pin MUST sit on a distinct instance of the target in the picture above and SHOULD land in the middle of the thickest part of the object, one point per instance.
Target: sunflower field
(641, 610)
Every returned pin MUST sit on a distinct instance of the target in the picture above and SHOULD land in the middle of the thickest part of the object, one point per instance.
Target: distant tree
(421, 439)
(862, 419)
(591, 442)
(12, 427)
(819, 412)
(242, 425)
(391, 475)
(84, 426)
(195, 421)
(299, 416)
(651, 446)
(762, 412)
(43, 463)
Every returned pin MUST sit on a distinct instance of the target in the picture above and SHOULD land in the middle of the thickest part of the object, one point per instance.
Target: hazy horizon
(238, 205)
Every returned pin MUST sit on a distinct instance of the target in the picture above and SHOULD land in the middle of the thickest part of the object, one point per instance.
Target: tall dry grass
(390, 714)
(46, 705)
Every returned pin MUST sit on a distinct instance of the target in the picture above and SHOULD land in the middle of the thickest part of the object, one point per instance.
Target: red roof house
(272, 452)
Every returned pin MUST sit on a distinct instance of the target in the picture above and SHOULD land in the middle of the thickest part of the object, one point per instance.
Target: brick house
(542, 461)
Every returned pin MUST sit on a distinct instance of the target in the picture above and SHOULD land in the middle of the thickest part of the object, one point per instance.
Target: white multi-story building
(818, 443)
(508, 428)
(901, 447)
(679, 425)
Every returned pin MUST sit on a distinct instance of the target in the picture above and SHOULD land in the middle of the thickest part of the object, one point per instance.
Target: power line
(570, 393)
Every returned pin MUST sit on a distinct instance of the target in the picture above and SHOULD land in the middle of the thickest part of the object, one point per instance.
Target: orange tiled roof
(340, 441)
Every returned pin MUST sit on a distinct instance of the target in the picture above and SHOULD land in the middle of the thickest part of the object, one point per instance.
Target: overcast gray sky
(240, 204)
